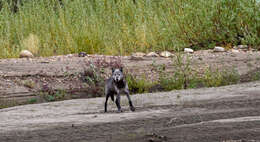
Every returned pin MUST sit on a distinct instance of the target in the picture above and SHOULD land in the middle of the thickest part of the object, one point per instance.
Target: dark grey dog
(114, 86)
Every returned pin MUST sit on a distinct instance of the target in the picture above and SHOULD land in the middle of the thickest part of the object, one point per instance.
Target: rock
(219, 49)
(26, 54)
(234, 51)
(136, 58)
(69, 55)
(242, 47)
(152, 54)
(31, 43)
(138, 54)
(166, 54)
(188, 50)
(82, 54)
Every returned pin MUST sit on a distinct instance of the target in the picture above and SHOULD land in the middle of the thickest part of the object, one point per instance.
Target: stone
(166, 54)
(82, 54)
(136, 58)
(242, 47)
(188, 50)
(69, 55)
(152, 54)
(31, 43)
(138, 54)
(219, 49)
(26, 54)
(234, 51)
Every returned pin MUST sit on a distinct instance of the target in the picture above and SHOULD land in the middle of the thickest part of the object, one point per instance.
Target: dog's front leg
(118, 100)
(132, 108)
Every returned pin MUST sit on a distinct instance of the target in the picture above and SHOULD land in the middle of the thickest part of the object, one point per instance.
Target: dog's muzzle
(117, 79)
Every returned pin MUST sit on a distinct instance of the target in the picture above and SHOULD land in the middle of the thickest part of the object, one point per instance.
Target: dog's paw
(132, 108)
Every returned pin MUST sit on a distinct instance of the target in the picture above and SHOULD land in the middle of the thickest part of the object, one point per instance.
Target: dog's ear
(121, 69)
(113, 70)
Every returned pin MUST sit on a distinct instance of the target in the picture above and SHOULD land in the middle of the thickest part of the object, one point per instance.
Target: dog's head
(117, 74)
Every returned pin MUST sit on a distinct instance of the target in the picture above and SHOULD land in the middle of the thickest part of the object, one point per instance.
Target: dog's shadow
(108, 112)
(115, 111)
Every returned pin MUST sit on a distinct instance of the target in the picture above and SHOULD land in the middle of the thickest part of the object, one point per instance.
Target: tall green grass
(103, 26)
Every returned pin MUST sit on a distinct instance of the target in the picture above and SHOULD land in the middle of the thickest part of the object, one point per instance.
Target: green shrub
(210, 78)
(220, 78)
(256, 76)
(138, 85)
(32, 101)
(175, 82)
(55, 96)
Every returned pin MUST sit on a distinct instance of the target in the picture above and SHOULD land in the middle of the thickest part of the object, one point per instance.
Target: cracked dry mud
(224, 114)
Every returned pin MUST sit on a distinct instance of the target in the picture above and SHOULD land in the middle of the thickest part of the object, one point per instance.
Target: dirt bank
(24, 79)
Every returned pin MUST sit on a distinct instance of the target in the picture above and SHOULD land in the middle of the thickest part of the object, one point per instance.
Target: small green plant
(256, 76)
(29, 83)
(50, 94)
(92, 75)
(174, 82)
(220, 78)
(56, 96)
(181, 76)
(49, 98)
(32, 100)
(138, 85)
(249, 65)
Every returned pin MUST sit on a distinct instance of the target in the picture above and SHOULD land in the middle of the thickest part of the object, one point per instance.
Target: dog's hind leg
(132, 108)
(107, 96)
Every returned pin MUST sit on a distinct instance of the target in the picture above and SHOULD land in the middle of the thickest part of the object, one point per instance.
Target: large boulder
(26, 54)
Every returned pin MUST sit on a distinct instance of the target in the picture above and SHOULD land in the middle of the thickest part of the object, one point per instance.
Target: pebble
(166, 54)
(219, 49)
(188, 50)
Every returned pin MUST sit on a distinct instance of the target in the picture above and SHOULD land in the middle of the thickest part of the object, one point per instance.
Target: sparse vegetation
(183, 76)
(48, 28)
(138, 85)
(256, 76)
(216, 78)
(54, 95)
(211, 78)
(29, 84)
(32, 101)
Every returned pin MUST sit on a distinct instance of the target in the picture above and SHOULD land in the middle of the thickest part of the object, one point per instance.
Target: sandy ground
(224, 114)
